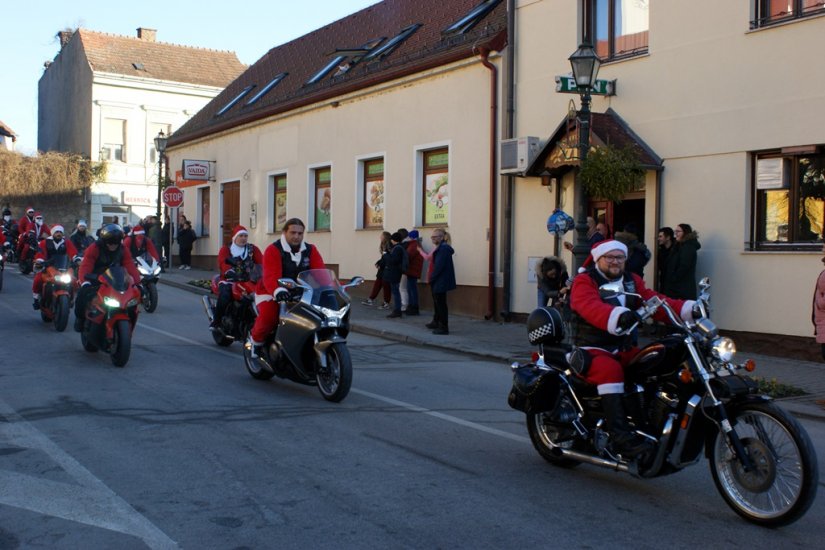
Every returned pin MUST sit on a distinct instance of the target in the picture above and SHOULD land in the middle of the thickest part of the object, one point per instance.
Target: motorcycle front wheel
(25, 267)
(150, 298)
(782, 486)
(335, 380)
(122, 344)
(61, 313)
(549, 438)
(2, 269)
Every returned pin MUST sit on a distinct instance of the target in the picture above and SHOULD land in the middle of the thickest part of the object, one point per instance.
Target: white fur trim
(237, 251)
(687, 311)
(613, 320)
(296, 256)
(607, 389)
(138, 232)
(261, 298)
(606, 246)
(57, 228)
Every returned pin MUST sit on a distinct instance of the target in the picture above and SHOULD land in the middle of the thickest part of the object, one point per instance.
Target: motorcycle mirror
(704, 284)
(287, 283)
(611, 290)
(355, 281)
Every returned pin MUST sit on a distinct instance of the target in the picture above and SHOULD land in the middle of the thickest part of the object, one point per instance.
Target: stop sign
(172, 196)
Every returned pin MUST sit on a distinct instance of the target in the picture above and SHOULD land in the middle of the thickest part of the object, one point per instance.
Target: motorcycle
(149, 270)
(240, 314)
(30, 247)
(683, 394)
(111, 315)
(309, 346)
(4, 252)
(57, 295)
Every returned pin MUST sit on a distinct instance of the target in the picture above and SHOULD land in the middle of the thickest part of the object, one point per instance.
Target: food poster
(323, 204)
(374, 213)
(436, 195)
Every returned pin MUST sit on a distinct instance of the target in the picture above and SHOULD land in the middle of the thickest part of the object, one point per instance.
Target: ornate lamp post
(160, 147)
(585, 64)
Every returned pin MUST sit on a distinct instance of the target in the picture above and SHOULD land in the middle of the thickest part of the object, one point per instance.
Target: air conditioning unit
(516, 154)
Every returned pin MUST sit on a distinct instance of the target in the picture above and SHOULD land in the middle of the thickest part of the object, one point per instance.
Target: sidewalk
(507, 342)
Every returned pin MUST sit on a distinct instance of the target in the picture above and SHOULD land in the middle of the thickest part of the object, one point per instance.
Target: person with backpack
(395, 264)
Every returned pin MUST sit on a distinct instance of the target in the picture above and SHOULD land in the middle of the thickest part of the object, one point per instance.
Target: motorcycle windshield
(326, 290)
(60, 261)
(116, 277)
(150, 261)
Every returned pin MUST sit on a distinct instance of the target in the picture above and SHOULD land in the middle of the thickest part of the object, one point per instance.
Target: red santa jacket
(307, 257)
(48, 248)
(90, 259)
(225, 253)
(147, 246)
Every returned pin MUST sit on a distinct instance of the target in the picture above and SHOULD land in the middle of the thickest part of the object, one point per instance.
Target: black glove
(696, 311)
(627, 320)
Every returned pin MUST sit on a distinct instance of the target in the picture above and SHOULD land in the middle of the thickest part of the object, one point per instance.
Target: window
(279, 202)
(322, 178)
(436, 187)
(236, 99)
(373, 191)
(113, 139)
(471, 19)
(790, 198)
(263, 91)
(616, 28)
(769, 12)
(385, 50)
(203, 200)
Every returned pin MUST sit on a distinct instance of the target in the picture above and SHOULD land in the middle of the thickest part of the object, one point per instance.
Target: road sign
(172, 196)
(567, 85)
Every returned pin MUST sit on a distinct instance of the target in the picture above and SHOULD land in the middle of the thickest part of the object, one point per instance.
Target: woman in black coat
(186, 239)
(680, 270)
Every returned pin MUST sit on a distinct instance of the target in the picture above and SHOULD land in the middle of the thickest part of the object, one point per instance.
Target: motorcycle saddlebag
(534, 390)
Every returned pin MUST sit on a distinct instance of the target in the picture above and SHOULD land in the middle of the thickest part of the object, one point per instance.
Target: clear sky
(250, 28)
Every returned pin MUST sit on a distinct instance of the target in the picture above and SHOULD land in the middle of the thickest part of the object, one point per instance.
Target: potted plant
(610, 172)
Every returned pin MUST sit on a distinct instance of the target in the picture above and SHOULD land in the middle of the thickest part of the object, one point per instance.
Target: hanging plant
(611, 172)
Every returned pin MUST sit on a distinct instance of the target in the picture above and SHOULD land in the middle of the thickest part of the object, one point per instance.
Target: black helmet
(6, 212)
(545, 326)
(111, 233)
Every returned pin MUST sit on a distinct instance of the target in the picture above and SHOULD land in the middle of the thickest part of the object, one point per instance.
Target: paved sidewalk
(507, 342)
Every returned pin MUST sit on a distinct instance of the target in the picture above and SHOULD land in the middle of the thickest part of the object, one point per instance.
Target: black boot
(625, 442)
(78, 324)
(412, 310)
(36, 304)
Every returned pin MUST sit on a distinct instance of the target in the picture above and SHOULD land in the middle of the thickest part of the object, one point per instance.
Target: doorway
(230, 208)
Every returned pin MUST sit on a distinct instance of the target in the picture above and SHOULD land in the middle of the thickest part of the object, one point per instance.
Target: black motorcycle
(309, 345)
(30, 248)
(686, 396)
(237, 320)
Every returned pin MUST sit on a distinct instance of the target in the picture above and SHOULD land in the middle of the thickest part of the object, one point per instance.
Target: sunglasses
(39, 218)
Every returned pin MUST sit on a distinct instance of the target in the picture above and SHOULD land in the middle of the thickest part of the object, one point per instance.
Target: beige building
(106, 97)
(720, 97)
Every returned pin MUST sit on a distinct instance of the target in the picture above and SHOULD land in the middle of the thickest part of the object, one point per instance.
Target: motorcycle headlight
(156, 270)
(142, 270)
(334, 316)
(723, 349)
(64, 278)
(108, 301)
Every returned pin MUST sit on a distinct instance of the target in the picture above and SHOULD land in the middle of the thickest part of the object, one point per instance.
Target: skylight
(471, 19)
(238, 97)
(392, 43)
(272, 83)
(327, 68)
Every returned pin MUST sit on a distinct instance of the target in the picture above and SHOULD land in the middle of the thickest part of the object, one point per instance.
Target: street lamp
(160, 147)
(585, 64)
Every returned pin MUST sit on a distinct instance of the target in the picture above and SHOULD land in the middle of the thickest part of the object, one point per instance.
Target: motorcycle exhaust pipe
(595, 460)
(207, 307)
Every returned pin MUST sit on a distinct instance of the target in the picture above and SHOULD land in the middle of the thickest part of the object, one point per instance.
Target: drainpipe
(484, 53)
(509, 131)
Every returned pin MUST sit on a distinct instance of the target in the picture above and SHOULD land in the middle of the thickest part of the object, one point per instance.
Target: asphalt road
(182, 448)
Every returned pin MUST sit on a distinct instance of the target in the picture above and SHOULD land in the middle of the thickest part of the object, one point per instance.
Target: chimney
(64, 36)
(146, 34)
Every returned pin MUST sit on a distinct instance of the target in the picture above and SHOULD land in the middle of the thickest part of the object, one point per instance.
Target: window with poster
(203, 200)
(789, 195)
(373, 188)
(436, 187)
(322, 198)
(279, 202)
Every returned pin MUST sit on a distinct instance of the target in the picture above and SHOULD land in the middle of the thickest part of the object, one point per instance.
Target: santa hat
(30, 210)
(56, 228)
(38, 215)
(600, 249)
(138, 230)
(239, 230)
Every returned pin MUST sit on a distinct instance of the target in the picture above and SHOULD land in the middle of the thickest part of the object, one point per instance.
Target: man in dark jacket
(442, 280)
(393, 269)
(637, 253)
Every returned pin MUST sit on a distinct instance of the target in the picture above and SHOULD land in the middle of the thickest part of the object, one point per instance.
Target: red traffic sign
(172, 196)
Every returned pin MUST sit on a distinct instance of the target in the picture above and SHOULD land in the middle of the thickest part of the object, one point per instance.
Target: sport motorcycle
(149, 270)
(686, 396)
(310, 343)
(111, 315)
(57, 296)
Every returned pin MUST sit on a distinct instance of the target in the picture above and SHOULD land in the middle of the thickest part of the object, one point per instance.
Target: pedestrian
(596, 235)
(818, 313)
(442, 280)
(551, 281)
(186, 239)
(380, 284)
(680, 271)
(413, 272)
(665, 241)
(402, 286)
(637, 253)
(396, 262)
(166, 235)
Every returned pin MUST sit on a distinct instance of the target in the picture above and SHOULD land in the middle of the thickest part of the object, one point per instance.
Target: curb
(185, 286)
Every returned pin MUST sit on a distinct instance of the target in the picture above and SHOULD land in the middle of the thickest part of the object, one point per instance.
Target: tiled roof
(124, 55)
(303, 57)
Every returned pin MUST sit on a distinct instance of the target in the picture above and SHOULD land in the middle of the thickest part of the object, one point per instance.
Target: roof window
(237, 98)
(473, 18)
(263, 91)
(387, 48)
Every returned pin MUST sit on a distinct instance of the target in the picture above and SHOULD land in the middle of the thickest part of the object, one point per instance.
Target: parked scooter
(240, 314)
(309, 345)
(687, 398)
(149, 269)
(57, 296)
(111, 315)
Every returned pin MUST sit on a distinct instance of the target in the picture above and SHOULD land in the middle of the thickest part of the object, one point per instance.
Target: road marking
(90, 502)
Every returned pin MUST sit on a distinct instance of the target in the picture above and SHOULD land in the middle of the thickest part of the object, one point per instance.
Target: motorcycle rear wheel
(122, 345)
(253, 365)
(2, 269)
(335, 381)
(61, 313)
(25, 267)
(784, 483)
(220, 339)
(86, 341)
(545, 437)
(150, 298)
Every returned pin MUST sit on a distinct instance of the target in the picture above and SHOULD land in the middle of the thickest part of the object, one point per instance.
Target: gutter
(509, 132)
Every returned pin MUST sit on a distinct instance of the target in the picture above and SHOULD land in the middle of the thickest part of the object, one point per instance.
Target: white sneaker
(368, 302)
(385, 305)
(181, 266)
(187, 267)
